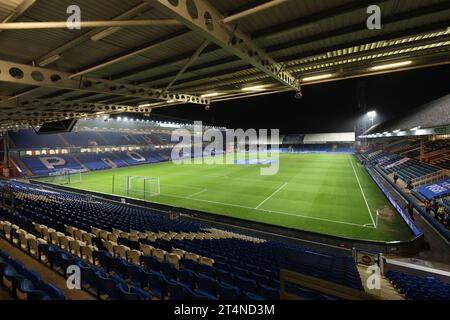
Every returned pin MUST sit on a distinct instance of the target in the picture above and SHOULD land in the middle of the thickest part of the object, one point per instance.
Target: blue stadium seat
(155, 282)
(135, 274)
(228, 292)
(104, 259)
(187, 277)
(108, 288)
(251, 296)
(225, 276)
(207, 285)
(268, 293)
(178, 291)
(119, 266)
(246, 284)
(53, 292)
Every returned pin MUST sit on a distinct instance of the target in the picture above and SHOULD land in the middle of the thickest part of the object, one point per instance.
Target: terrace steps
(80, 163)
(102, 137)
(386, 291)
(66, 143)
(24, 166)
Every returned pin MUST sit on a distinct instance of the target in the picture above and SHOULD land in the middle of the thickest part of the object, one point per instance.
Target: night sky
(328, 107)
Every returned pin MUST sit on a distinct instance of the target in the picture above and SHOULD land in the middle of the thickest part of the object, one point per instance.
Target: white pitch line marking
(196, 193)
(362, 192)
(276, 191)
(270, 211)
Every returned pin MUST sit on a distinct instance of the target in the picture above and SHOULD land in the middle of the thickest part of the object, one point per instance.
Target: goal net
(141, 186)
(65, 176)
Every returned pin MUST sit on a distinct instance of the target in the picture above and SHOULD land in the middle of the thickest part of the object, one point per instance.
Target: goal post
(66, 176)
(141, 186)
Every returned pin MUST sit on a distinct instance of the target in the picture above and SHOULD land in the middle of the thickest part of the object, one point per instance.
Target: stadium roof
(418, 121)
(155, 53)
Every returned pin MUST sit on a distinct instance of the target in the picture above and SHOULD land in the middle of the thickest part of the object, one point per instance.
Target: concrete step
(386, 291)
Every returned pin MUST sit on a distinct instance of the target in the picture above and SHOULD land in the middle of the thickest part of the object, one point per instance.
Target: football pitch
(325, 193)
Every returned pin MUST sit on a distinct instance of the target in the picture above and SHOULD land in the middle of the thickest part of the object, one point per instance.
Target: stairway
(80, 163)
(105, 142)
(386, 291)
(66, 143)
(23, 166)
(110, 163)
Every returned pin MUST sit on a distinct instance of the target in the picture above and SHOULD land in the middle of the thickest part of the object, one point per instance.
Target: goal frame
(146, 183)
(66, 175)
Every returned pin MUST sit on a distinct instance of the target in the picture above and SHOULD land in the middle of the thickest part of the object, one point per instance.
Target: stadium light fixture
(319, 77)
(415, 128)
(104, 33)
(119, 118)
(49, 60)
(209, 95)
(396, 131)
(372, 114)
(260, 87)
(391, 65)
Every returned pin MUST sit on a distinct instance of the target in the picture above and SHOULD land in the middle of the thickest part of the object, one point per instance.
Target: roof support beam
(30, 105)
(41, 77)
(24, 6)
(258, 8)
(36, 111)
(86, 24)
(154, 44)
(194, 57)
(133, 12)
(361, 26)
(205, 20)
(309, 20)
(393, 35)
(347, 70)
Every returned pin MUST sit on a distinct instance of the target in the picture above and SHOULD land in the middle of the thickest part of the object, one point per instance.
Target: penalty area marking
(362, 192)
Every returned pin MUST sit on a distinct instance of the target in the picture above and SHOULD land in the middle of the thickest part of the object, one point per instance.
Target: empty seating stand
(182, 259)
(418, 287)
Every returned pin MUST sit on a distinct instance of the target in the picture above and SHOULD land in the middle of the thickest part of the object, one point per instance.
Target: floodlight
(319, 77)
(372, 114)
(209, 95)
(391, 65)
(255, 88)
(49, 60)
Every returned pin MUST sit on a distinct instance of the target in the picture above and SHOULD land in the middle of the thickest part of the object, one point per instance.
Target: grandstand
(102, 199)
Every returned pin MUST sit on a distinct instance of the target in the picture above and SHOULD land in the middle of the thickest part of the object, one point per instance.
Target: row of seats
(23, 283)
(418, 287)
(59, 260)
(161, 277)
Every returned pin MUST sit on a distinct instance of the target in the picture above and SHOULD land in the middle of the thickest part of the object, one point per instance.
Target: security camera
(207, 107)
(298, 95)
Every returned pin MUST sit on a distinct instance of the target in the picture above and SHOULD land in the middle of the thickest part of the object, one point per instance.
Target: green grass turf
(313, 192)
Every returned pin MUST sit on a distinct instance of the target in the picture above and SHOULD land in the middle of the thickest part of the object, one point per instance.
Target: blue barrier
(436, 224)
(394, 203)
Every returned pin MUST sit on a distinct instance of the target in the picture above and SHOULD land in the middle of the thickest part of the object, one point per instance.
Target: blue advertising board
(435, 189)
(394, 203)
